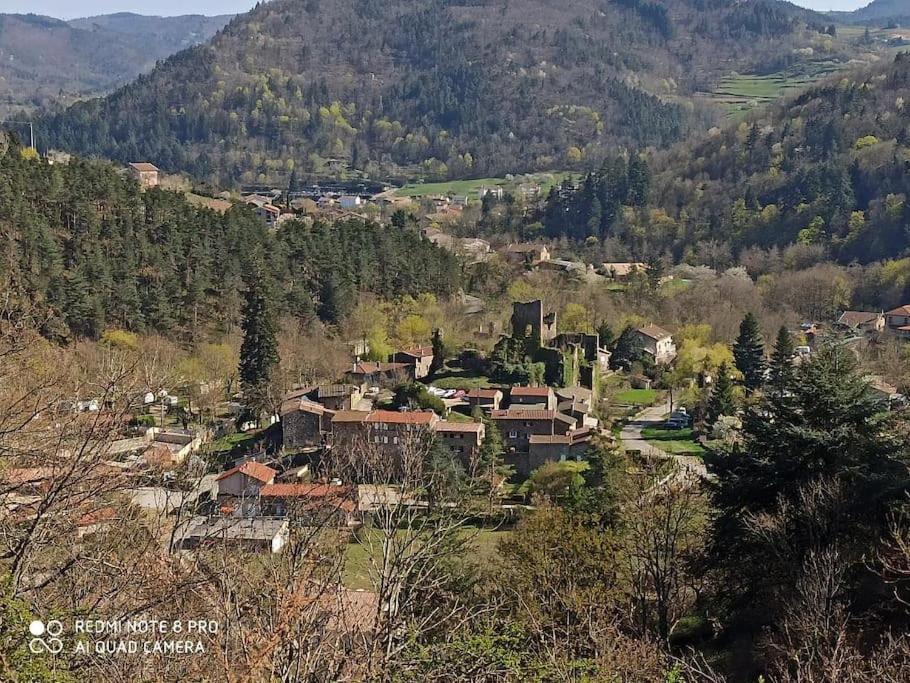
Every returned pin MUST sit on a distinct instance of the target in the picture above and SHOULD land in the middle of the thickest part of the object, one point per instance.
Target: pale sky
(70, 9)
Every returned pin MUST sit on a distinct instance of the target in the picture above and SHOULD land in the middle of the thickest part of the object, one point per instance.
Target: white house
(251, 533)
(350, 201)
(657, 343)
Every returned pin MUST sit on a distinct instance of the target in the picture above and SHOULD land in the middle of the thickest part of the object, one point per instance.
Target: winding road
(654, 416)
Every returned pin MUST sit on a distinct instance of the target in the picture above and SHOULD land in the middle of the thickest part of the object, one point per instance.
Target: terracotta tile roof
(900, 310)
(370, 367)
(484, 393)
(304, 491)
(568, 419)
(523, 414)
(856, 318)
(304, 404)
(418, 351)
(446, 426)
(350, 416)
(18, 476)
(654, 332)
(252, 469)
(104, 514)
(549, 439)
(395, 417)
(143, 166)
(581, 434)
(313, 496)
(335, 390)
(530, 391)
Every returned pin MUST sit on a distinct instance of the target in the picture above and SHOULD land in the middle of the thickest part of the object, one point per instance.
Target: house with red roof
(315, 504)
(463, 438)
(245, 480)
(548, 433)
(485, 399)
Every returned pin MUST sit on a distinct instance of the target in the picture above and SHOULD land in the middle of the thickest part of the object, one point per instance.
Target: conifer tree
(259, 351)
(439, 352)
(605, 332)
(721, 401)
(655, 271)
(749, 353)
(626, 350)
(781, 370)
(491, 466)
(826, 457)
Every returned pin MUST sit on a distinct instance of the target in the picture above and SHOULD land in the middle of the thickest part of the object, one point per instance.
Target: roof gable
(254, 470)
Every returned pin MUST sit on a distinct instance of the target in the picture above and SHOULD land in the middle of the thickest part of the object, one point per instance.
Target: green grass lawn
(461, 187)
(675, 441)
(358, 565)
(469, 187)
(674, 286)
(641, 397)
(231, 441)
(457, 378)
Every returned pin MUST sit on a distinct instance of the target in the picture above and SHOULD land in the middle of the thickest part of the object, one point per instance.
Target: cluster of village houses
(248, 503)
(333, 203)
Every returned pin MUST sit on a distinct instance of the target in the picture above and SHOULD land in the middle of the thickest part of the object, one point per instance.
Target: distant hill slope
(44, 59)
(167, 34)
(432, 88)
(830, 166)
(877, 11)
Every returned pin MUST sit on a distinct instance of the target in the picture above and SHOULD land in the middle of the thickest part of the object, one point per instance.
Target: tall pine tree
(780, 369)
(749, 353)
(259, 351)
(721, 401)
(820, 467)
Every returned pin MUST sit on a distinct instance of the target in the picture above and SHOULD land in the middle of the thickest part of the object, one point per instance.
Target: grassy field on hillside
(361, 557)
(470, 187)
(739, 93)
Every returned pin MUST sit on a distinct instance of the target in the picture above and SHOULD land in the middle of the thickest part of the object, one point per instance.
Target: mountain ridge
(44, 60)
(433, 89)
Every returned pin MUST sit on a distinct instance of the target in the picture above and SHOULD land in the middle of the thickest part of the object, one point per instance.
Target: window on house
(513, 434)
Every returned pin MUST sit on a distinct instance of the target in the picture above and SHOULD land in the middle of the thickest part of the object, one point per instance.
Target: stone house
(485, 399)
(417, 359)
(144, 173)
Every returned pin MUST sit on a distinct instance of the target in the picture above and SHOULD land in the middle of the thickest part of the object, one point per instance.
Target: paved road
(653, 417)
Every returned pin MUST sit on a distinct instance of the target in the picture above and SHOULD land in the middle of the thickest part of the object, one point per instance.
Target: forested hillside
(877, 12)
(827, 167)
(44, 60)
(92, 251)
(436, 88)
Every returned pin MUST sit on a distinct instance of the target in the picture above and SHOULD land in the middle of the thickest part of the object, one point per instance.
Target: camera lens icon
(51, 643)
